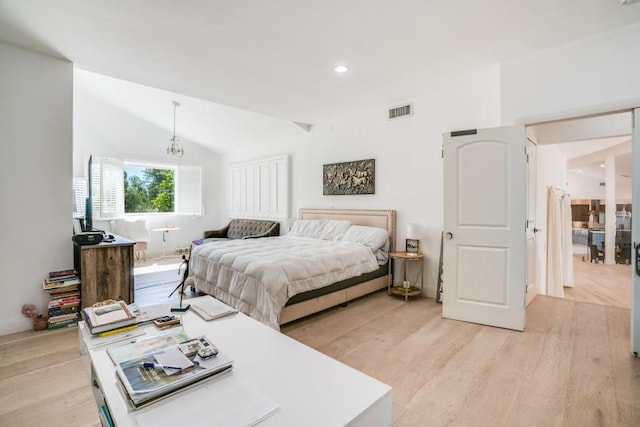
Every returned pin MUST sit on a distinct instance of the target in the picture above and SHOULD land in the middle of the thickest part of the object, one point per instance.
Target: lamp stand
(180, 308)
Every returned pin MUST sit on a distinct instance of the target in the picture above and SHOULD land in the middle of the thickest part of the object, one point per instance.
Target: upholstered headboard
(373, 218)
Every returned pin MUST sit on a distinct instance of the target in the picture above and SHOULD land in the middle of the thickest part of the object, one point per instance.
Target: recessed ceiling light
(579, 170)
(602, 165)
(341, 69)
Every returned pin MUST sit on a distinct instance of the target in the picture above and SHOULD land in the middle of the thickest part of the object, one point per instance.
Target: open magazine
(161, 372)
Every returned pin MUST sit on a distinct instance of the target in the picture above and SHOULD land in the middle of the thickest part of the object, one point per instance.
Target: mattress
(259, 276)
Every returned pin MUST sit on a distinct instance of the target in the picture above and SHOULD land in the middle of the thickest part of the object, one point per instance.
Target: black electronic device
(87, 238)
(206, 348)
(88, 207)
(638, 259)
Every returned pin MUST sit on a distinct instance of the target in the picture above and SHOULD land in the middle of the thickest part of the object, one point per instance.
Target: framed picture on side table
(412, 246)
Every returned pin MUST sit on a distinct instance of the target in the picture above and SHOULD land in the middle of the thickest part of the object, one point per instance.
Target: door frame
(531, 263)
(596, 111)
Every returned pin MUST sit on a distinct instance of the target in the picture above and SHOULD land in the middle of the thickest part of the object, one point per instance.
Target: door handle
(536, 230)
(448, 235)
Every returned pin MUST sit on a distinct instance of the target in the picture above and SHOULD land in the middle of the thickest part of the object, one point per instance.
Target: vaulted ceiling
(277, 57)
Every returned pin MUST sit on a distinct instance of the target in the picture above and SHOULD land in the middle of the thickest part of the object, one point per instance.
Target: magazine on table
(210, 308)
(162, 372)
(146, 345)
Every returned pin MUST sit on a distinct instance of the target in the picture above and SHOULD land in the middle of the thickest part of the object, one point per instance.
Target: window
(259, 189)
(127, 187)
(149, 189)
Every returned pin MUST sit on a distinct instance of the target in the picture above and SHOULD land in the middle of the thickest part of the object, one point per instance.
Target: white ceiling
(586, 143)
(276, 57)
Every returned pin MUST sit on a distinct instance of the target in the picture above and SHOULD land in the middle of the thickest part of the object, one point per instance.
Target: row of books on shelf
(64, 293)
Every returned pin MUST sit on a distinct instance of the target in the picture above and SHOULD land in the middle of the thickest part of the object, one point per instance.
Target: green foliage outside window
(149, 190)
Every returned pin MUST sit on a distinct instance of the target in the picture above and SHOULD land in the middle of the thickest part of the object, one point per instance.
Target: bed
(280, 279)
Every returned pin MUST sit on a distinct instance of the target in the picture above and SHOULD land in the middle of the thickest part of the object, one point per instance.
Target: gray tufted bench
(243, 229)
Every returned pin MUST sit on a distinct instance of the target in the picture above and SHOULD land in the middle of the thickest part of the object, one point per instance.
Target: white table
(165, 230)
(311, 389)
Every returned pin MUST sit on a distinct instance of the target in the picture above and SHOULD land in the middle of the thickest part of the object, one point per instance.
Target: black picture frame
(412, 246)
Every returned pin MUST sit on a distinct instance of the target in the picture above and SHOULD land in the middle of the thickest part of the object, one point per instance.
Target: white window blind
(189, 190)
(259, 189)
(79, 196)
(107, 187)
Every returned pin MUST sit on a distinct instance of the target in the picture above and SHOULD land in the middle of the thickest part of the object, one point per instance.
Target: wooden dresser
(106, 270)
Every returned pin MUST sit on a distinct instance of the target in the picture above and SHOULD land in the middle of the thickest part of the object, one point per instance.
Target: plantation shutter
(259, 189)
(233, 191)
(189, 190)
(79, 196)
(107, 187)
(279, 188)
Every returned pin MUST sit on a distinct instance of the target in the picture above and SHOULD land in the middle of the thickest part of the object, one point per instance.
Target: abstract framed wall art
(348, 178)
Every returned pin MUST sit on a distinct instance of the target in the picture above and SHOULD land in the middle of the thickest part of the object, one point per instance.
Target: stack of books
(61, 279)
(64, 293)
(165, 369)
(109, 319)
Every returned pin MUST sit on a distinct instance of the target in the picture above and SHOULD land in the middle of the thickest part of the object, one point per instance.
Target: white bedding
(258, 276)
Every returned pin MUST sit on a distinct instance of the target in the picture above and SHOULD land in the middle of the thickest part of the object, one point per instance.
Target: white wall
(588, 187)
(102, 129)
(552, 172)
(574, 78)
(35, 178)
(407, 153)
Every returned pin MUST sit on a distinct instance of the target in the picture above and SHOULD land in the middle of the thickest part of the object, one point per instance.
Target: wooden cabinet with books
(106, 270)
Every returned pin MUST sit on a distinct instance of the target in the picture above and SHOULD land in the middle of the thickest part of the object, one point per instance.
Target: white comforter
(258, 276)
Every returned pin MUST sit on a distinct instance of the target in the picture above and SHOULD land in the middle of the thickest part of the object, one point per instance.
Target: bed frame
(374, 218)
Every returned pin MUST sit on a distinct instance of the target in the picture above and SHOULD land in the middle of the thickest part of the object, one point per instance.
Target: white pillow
(306, 227)
(333, 229)
(326, 229)
(373, 237)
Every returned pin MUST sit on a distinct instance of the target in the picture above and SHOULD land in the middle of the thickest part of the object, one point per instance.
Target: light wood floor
(572, 366)
(608, 284)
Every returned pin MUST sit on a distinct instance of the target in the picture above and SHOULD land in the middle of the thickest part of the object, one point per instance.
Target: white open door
(635, 232)
(484, 227)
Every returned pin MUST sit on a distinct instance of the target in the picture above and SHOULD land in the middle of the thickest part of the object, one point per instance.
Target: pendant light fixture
(174, 149)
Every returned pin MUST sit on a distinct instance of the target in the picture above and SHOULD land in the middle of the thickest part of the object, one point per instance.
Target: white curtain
(567, 242)
(554, 245)
(559, 243)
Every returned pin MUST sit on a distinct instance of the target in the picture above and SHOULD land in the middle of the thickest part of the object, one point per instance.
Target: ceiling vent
(401, 111)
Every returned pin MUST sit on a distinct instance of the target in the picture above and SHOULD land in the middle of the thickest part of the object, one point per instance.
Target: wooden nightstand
(407, 289)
